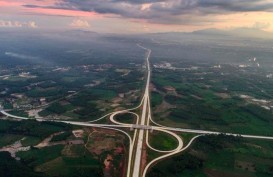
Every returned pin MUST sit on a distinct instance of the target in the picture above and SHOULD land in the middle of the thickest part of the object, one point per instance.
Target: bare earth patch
(108, 146)
(34, 113)
(46, 141)
(14, 148)
(223, 95)
(78, 133)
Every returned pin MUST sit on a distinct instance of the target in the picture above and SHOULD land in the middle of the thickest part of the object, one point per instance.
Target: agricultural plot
(225, 99)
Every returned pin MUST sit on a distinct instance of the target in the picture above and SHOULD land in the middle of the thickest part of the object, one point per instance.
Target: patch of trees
(156, 99)
(198, 111)
(32, 128)
(176, 165)
(86, 172)
(172, 99)
(7, 105)
(212, 143)
(56, 108)
(181, 114)
(131, 77)
(10, 167)
(61, 137)
(47, 84)
(87, 112)
(46, 93)
(126, 118)
(14, 87)
(84, 99)
(259, 112)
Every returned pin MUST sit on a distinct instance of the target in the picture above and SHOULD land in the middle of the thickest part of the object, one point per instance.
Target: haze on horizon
(136, 16)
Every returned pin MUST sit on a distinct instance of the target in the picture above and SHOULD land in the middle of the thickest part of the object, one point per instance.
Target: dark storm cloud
(164, 11)
(237, 5)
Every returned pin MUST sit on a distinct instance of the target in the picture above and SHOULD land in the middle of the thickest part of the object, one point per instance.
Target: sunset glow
(142, 16)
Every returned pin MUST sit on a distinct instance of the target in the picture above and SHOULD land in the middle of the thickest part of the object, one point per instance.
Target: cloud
(21, 56)
(29, 58)
(17, 24)
(162, 11)
(78, 23)
(10, 24)
(123, 7)
(261, 25)
(32, 24)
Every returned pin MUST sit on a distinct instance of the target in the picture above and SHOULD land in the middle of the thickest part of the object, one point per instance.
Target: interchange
(141, 130)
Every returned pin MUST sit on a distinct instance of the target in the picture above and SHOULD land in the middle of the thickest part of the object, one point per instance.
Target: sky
(136, 16)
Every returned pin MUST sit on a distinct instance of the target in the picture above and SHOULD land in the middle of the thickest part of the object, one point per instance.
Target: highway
(216, 133)
(143, 119)
(13, 116)
(132, 148)
(141, 129)
(159, 128)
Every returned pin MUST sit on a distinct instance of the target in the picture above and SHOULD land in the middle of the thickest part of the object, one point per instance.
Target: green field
(220, 156)
(213, 104)
(125, 118)
(30, 141)
(156, 99)
(36, 156)
(7, 139)
(61, 137)
(162, 141)
(51, 161)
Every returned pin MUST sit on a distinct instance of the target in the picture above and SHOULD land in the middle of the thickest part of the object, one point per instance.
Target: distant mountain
(216, 33)
(237, 32)
(80, 32)
(210, 31)
(251, 32)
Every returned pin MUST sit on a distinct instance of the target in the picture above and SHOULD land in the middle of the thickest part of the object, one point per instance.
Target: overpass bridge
(141, 127)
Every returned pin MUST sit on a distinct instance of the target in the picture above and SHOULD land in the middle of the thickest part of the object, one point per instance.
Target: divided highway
(143, 120)
(140, 139)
